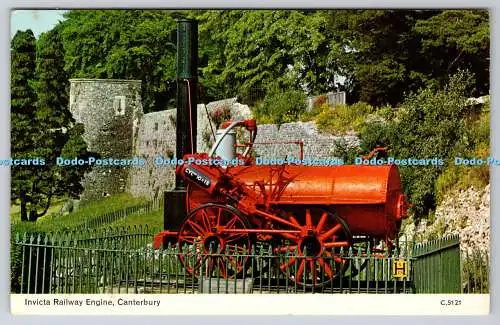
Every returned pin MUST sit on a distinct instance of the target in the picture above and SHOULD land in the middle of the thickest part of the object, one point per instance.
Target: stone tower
(110, 111)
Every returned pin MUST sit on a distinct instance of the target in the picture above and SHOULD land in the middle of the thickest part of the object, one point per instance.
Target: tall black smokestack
(174, 209)
(187, 83)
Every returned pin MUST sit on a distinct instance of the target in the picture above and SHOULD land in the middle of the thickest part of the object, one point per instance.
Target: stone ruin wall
(110, 111)
(316, 145)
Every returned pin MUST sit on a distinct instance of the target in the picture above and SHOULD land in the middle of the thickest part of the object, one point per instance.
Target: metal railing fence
(125, 262)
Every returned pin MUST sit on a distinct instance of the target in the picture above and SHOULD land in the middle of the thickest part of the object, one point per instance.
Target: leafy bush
(375, 134)
(430, 123)
(388, 113)
(462, 177)
(281, 106)
(475, 272)
(347, 153)
(343, 118)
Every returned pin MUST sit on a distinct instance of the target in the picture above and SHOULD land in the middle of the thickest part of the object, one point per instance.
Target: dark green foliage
(51, 122)
(281, 106)
(460, 177)
(454, 40)
(52, 84)
(385, 53)
(253, 49)
(347, 154)
(42, 130)
(382, 54)
(124, 44)
(23, 98)
(72, 175)
(15, 265)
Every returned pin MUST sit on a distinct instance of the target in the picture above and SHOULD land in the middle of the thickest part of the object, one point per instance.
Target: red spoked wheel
(207, 246)
(313, 257)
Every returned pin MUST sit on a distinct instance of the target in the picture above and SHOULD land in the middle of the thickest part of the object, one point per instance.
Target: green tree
(260, 49)
(455, 40)
(51, 122)
(124, 44)
(50, 127)
(386, 54)
(382, 54)
(23, 98)
(281, 106)
(376, 52)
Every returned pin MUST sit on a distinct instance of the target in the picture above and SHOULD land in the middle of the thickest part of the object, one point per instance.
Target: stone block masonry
(316, 145)
(156, 136)
(110, 111)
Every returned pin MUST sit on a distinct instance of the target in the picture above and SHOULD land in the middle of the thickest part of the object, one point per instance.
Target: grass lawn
(52, 222)
(55, 207)
(153, 220)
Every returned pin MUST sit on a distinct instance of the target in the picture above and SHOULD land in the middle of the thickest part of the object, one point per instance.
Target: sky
(38, 21)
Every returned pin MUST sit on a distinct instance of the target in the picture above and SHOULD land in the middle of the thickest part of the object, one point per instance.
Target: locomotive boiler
(311, 212)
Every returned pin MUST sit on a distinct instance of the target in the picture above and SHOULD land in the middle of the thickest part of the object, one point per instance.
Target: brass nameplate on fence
(400, 268)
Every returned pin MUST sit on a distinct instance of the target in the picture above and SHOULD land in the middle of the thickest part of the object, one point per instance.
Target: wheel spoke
(286, 249)
(321, 222)
(189, 239)
(198, 261)
(294, 221)
(335, 258)
(325, 267)
(231, 222)
(300, 271)
(308, 218)
(331, 231)
(218, 217)
(205, 221)
(234, 237)
(235, 249)
(284, 266)
(196, 228)
(336, 244)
